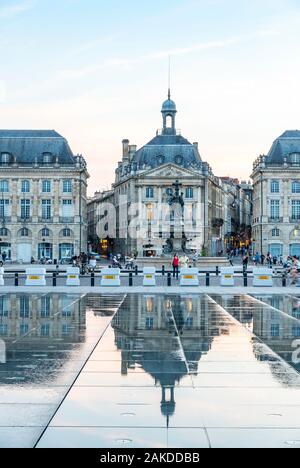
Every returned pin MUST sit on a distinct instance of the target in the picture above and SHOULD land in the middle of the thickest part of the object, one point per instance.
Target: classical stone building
(276, 198)
(166, 195)
(43, 210)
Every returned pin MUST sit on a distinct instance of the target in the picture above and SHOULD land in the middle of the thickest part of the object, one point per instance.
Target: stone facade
(276, 198)
(167, 172)
(43, 197)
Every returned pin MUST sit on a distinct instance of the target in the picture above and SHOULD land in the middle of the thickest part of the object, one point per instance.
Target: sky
(97, 72)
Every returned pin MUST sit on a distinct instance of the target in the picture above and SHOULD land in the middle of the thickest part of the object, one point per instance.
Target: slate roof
(287, 144)
(165, 149)
(26, 146)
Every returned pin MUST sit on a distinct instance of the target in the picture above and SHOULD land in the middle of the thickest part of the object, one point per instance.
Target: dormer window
(295, 159)
(6, 158)
(47, 158)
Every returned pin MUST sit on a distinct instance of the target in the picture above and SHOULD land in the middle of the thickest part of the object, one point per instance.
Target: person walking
(245, 263)
(175, 265)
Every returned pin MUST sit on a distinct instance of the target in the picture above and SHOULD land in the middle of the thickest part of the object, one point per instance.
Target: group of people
(179, 262)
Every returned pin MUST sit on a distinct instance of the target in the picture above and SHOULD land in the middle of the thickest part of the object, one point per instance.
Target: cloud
(9, 11)
(158, 55)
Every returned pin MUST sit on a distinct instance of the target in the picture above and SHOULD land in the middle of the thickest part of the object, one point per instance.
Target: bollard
(131, 279)
(93, 280)
(217, 271)
(245, 279)
(163, 270)
(284, 280)
(207, 279)
(16, 279)
(169, 279)
(136, 270)
(54, 279)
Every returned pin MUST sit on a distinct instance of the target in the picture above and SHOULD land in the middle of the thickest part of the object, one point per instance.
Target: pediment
(170, 171)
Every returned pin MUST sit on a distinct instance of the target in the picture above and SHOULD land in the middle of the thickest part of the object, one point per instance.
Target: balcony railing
(24, 219)
(66, 220)
(5, 219)
(43, 219)
(295, 219)
(275, 220)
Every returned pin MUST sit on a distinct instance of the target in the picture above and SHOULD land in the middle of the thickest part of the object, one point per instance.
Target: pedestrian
(4, 257)
(263, 258)
(175, 265)
(245, 263)
(257, 259)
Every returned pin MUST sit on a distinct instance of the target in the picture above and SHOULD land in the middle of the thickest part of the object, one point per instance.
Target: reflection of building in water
(166, 336)
(39, 324)
(277, 330)
(104, 305)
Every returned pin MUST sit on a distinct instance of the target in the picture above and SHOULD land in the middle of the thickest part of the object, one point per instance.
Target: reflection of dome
(168, 408)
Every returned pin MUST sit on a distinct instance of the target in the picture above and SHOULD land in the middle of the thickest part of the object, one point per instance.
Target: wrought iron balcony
(45, 220)
(66, 220)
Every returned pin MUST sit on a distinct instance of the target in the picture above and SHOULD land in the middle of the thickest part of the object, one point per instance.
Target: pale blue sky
(97, 72)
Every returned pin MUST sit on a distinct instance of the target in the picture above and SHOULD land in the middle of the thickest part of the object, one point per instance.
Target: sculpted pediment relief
(169, 171)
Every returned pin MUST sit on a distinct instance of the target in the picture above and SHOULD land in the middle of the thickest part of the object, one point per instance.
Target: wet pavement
(149, 370)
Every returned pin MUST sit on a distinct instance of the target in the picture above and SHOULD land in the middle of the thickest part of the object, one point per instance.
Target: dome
(169, 105)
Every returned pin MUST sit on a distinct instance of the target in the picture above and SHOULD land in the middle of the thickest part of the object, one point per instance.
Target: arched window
(275, 186)
(189, 192)
(46, 186)
(67, 232)
(4, 186)
(4, 232)
(24, 232)
(296, 186)
(25, 186)
(45, 232)
(67, 186)
(275, 232)
(169, 121)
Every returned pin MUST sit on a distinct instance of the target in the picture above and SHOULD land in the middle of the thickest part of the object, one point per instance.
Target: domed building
(166, 197)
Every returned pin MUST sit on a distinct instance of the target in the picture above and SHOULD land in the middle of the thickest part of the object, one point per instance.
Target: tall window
(275, 209)
(67, 186)
(149, 192)
(46, 186)
(25, 186)
(4, 186)
(296, 209)
(189, 193)
(275, 186)
(296, 186)
(4, 208)
(275, 330)
(25, 209)
(67, 208)
(24, 307)
(45, 307)
(46, 209)
(3, 232)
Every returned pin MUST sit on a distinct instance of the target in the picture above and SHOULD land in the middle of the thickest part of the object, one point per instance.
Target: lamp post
(261, 211)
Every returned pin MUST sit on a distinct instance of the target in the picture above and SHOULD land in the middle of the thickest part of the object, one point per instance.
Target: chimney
(125, 144)
(196, 145)
(132, 151)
